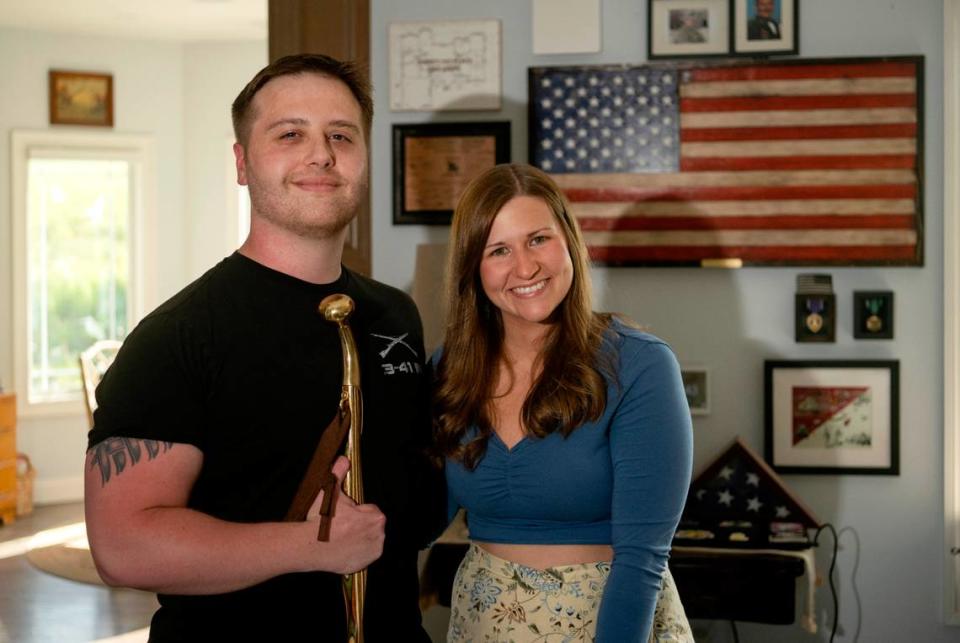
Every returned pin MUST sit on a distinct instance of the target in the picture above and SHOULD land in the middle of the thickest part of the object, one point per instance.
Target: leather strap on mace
(319, 476)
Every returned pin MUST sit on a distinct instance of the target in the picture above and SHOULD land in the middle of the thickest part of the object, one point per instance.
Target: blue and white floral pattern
(483, 593)
(496, 601)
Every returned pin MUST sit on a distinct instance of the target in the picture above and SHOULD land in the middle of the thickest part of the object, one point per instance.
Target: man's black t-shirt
(241, 365)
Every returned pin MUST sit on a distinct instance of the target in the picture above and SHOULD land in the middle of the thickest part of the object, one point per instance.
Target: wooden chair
(94, 362)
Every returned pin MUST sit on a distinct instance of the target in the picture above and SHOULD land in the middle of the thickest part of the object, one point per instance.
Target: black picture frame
(688, 29)
(815, 318)
(832, 416)
(779, 35)
(873, 314)
(433, 162)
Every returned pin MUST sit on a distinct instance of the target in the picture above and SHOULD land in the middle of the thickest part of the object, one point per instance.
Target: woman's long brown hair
(570, 388)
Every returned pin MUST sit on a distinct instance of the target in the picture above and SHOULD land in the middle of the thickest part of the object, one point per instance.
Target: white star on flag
(726, 472)
(725, 498)
(754, 504)
(753, 479)
(782, 512)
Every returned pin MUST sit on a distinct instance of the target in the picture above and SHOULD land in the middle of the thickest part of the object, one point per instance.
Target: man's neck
(313, 260)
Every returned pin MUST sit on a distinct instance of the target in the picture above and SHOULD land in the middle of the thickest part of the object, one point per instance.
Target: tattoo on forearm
(113, 455)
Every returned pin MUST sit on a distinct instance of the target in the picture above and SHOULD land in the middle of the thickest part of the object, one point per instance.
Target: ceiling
(179, 20)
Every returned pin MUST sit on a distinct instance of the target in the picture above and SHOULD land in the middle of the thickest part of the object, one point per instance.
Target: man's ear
(239, 155)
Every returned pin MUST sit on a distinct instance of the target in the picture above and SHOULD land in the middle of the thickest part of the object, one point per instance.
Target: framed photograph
(81, 98)
(832, 416)
(696, 384)
(688, 28)
(764, 27)
(873, 314)
(434, 162)
(816, 318)
(440, 65)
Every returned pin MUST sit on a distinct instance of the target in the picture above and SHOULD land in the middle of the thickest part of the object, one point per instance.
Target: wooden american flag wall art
(791, 163)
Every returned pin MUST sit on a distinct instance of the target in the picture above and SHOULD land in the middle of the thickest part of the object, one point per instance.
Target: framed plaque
(873, 314)
(434, 162)
(815, 318)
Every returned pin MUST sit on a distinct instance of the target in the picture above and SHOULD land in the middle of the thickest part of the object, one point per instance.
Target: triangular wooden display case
(739, 501)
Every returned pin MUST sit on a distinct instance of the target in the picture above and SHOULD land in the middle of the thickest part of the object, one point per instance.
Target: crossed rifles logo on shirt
(394, 341)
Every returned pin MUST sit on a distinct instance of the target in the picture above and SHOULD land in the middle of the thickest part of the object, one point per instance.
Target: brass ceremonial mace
(337, 308)
(319, 477)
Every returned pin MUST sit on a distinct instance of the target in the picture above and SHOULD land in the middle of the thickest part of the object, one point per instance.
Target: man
(210, 413)
(763, 26)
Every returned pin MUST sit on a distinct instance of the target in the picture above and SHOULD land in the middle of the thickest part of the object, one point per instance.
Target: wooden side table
(8, 458)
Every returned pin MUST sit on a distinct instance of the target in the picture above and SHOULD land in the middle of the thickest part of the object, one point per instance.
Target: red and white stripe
(793, 163)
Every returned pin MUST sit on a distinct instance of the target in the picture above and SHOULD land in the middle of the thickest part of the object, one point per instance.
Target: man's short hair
(346, 72)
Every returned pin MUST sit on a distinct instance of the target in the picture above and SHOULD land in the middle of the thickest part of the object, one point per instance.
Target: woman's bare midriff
(545, 556)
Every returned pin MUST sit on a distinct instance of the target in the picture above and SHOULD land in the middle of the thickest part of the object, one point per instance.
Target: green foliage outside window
(79, 258)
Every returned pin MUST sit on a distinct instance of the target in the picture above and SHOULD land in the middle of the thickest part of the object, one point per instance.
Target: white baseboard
(52, 491)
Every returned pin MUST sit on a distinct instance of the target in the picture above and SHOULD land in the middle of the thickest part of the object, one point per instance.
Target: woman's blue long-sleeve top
(621, 480)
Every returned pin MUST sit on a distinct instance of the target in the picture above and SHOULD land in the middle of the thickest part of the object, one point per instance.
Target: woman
(566, 432)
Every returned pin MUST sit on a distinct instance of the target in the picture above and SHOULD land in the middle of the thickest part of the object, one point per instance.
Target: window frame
(951, 320)
(140, 152)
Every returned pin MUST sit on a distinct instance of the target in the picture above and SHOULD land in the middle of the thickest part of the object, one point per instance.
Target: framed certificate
(434, 162)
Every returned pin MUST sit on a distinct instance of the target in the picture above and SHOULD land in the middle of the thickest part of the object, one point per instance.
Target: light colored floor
(37, 607)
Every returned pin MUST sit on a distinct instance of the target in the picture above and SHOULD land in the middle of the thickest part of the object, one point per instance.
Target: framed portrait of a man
(765, 27)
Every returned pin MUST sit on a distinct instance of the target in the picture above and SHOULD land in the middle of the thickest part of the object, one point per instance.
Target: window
(79, 222)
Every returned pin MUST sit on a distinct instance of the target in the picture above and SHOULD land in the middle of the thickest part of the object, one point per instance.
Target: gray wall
(730, 321)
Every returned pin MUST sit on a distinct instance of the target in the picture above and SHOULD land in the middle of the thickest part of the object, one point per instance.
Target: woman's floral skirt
(495, 600)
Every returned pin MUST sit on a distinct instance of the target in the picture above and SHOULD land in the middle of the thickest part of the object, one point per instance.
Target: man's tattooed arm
(114, 455)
